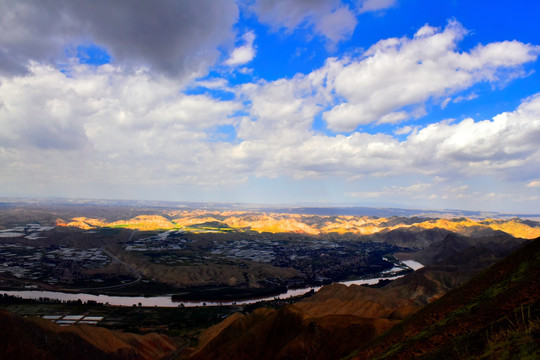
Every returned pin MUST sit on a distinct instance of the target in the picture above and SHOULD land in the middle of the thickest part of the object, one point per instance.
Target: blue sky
(408, 103)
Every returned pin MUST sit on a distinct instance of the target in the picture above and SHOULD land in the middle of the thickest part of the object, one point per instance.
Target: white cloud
(396, 73)
(403, 130)
(243, 54)
(461, 98)
(281, 109)
(346, 117)
(394, 118)
(445, 102)
(215, 83)
(142, 131)
(504, 147)
(426, 30)
(534, 184)
(104, 126)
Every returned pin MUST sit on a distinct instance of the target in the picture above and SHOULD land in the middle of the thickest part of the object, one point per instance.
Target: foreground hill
(494, 315)
(339, 319)
(331, 324)
(36, 338)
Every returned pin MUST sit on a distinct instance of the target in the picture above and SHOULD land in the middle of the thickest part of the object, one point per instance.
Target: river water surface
(166, 300)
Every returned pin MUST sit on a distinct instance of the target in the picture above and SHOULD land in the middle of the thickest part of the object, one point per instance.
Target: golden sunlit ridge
(211, 221)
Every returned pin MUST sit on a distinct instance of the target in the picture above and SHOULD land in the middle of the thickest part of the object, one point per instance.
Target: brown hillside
(288, 334)
(327, 325)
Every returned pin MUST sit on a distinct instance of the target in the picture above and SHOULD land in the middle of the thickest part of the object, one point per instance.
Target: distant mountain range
(311, 209)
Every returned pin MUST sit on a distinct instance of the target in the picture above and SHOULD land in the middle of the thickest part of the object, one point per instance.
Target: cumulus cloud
(101, 123)
(183, 43)
(282, 109)
(243, 54)
(501, 146)
(30, 116)
(389, 83)
(328, 18)
(504, 147)
(400, 72)
(108, 125)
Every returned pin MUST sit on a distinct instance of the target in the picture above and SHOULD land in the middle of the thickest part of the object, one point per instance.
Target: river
(166, 300)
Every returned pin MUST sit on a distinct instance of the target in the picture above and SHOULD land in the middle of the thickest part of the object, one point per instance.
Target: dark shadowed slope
(36, 338)
(494, 315)
(451, 249)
